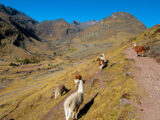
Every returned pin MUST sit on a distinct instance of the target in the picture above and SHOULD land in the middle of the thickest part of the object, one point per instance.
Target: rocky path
(147, 75)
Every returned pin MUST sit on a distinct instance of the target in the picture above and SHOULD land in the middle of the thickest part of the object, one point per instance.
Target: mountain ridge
(58, 35)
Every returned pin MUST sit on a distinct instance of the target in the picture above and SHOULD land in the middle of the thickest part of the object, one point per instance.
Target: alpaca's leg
(76, 115)
(55, 95)
(76, 112)
(66, 113)
(73, 114)
(137, 54)
(69, 114)
(101, 67)
(142, 53)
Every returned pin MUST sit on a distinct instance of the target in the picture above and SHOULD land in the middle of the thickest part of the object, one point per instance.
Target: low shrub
(12, 64)
(27, 61)
(154, 51)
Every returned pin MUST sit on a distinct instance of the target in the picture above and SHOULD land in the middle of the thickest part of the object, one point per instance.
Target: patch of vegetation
(27, 61)
(73, 49)
(12, 64)
(35, 61)
(154, 51)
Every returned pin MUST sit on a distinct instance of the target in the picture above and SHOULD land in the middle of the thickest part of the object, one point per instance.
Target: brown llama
(140, 50)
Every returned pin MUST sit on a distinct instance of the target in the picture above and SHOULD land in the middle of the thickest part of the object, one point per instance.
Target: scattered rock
(128, 73)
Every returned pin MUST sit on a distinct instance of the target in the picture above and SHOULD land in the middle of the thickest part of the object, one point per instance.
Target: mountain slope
(35, 101)
(110, 31)
(55, 29)
(120, 22)
(17, 15)
(58, 37)
(17, 36)
(30, 92)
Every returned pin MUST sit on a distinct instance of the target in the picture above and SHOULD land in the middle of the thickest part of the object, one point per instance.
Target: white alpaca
(73, 102)
(103, 57)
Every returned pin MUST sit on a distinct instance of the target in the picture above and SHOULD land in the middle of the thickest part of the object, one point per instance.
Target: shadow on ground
(87, 106)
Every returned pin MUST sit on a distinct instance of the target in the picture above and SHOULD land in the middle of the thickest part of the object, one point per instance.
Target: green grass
(73, 49)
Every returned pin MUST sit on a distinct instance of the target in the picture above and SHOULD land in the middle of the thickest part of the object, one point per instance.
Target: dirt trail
(147, 75)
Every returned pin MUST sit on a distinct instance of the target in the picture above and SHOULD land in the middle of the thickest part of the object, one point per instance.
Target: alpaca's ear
(80, 77)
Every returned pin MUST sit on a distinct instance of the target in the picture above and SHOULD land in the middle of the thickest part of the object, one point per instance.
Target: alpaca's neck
(80, 88)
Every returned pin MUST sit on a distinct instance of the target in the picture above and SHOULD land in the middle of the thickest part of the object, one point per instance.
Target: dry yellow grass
(33, 97)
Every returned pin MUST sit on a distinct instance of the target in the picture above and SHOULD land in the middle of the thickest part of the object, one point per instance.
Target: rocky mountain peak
(74, 22)
(122, 15)
(18, 16)
(2, 7)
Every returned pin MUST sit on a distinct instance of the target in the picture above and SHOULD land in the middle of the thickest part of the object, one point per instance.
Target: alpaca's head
(102, 55)
(76, 79)
(134, 45)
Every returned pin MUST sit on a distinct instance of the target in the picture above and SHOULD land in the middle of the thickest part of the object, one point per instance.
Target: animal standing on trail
(76, 79)
(60, 90)
(140, 50)
(73, 102)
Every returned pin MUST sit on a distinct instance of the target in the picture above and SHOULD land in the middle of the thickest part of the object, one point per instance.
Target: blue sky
(147, 11)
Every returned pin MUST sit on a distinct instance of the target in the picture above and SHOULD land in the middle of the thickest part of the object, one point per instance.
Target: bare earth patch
(147, 74)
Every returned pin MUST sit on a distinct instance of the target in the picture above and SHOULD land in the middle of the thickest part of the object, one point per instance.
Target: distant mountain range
(21, 36)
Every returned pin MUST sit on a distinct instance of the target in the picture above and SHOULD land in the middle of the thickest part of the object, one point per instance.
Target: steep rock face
(19, 17)
(57, 34)
(17, 35)
(16, 22)
(84, 25)
(55, 29)
(75, 22)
